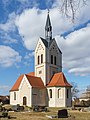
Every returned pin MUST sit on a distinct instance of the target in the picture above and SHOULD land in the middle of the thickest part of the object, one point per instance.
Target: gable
(24, 83)
(32, 80)
(40, 46)
(54, 47)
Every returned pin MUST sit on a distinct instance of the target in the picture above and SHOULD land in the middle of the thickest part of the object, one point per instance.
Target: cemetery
(26, 113)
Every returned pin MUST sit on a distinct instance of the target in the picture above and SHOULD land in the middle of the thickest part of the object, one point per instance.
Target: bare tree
(69, 7)
(88, 92)
(74, 90)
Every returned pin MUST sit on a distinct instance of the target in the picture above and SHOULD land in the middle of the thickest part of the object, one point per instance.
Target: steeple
(48, 29)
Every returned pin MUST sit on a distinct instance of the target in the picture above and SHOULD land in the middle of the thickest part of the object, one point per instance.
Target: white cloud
(7, 39)
(10, 24)
(27, 56)
(28, 59)
(76, 50)
(75, 47)
(7, 28)
(31, 24)
(8, 56)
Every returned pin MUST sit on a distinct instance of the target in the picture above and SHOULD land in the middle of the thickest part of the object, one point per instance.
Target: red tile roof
(17, 83)
(59, 80)
(34, 81)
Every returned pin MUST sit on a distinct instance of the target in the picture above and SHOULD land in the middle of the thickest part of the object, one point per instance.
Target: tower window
(38, 59)
(41, 58)
(51, 59)
(67, 93)
(59, 93)
(14, 95)
(55, 60)
(50, 93)
(40, 72)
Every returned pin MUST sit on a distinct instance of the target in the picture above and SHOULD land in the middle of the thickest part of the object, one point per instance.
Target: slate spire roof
(48, 23)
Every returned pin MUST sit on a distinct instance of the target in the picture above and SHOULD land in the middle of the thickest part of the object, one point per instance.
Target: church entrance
(24, 101)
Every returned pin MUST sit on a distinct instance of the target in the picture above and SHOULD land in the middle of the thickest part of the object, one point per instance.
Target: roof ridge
(32, 76)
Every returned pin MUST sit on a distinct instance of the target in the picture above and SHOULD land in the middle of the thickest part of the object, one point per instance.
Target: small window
(51, 59)
(40, 72)
(41, 58)
(38, 59)
(50, 93)
(55, 60)
(14, 95)
(59, 93)
(67, 93)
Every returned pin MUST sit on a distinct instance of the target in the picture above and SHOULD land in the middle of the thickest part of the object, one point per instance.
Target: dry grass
(75, 115)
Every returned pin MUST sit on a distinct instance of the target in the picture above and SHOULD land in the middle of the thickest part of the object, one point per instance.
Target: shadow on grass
(9, 117)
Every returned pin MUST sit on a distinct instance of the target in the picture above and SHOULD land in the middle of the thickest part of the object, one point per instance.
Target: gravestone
(62, 113)
(17, 108)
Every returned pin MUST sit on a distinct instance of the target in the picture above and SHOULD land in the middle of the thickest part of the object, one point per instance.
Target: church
(47, 86)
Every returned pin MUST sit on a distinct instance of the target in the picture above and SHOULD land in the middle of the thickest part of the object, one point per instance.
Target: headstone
(17, 108)
(62, 113)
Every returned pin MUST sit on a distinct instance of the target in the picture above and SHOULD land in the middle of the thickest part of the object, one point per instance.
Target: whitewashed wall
(12, 101)
(55, 101)
(25, 90)
(40, 49)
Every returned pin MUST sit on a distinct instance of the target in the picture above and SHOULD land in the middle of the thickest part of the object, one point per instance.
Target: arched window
(50, 93)
(14, 95)
(38, 59)
(51, 59)
(55, 60)
(60, 93)
(41, 58)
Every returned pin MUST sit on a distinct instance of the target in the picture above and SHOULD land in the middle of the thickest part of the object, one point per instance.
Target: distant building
(48, 85)
(85, 96)
(4, 99)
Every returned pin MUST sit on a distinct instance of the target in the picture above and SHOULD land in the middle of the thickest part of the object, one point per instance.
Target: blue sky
(22, 22)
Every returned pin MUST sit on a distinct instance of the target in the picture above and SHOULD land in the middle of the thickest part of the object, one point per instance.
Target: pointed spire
(48, 23)
(48, 29)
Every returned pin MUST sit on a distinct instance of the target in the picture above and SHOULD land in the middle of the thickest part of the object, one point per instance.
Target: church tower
(52, 88)
(48, 56)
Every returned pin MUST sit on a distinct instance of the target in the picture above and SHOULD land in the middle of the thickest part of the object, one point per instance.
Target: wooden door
(24, 101)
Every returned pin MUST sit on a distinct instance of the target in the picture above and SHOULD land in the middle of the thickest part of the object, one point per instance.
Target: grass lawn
(75, 115)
